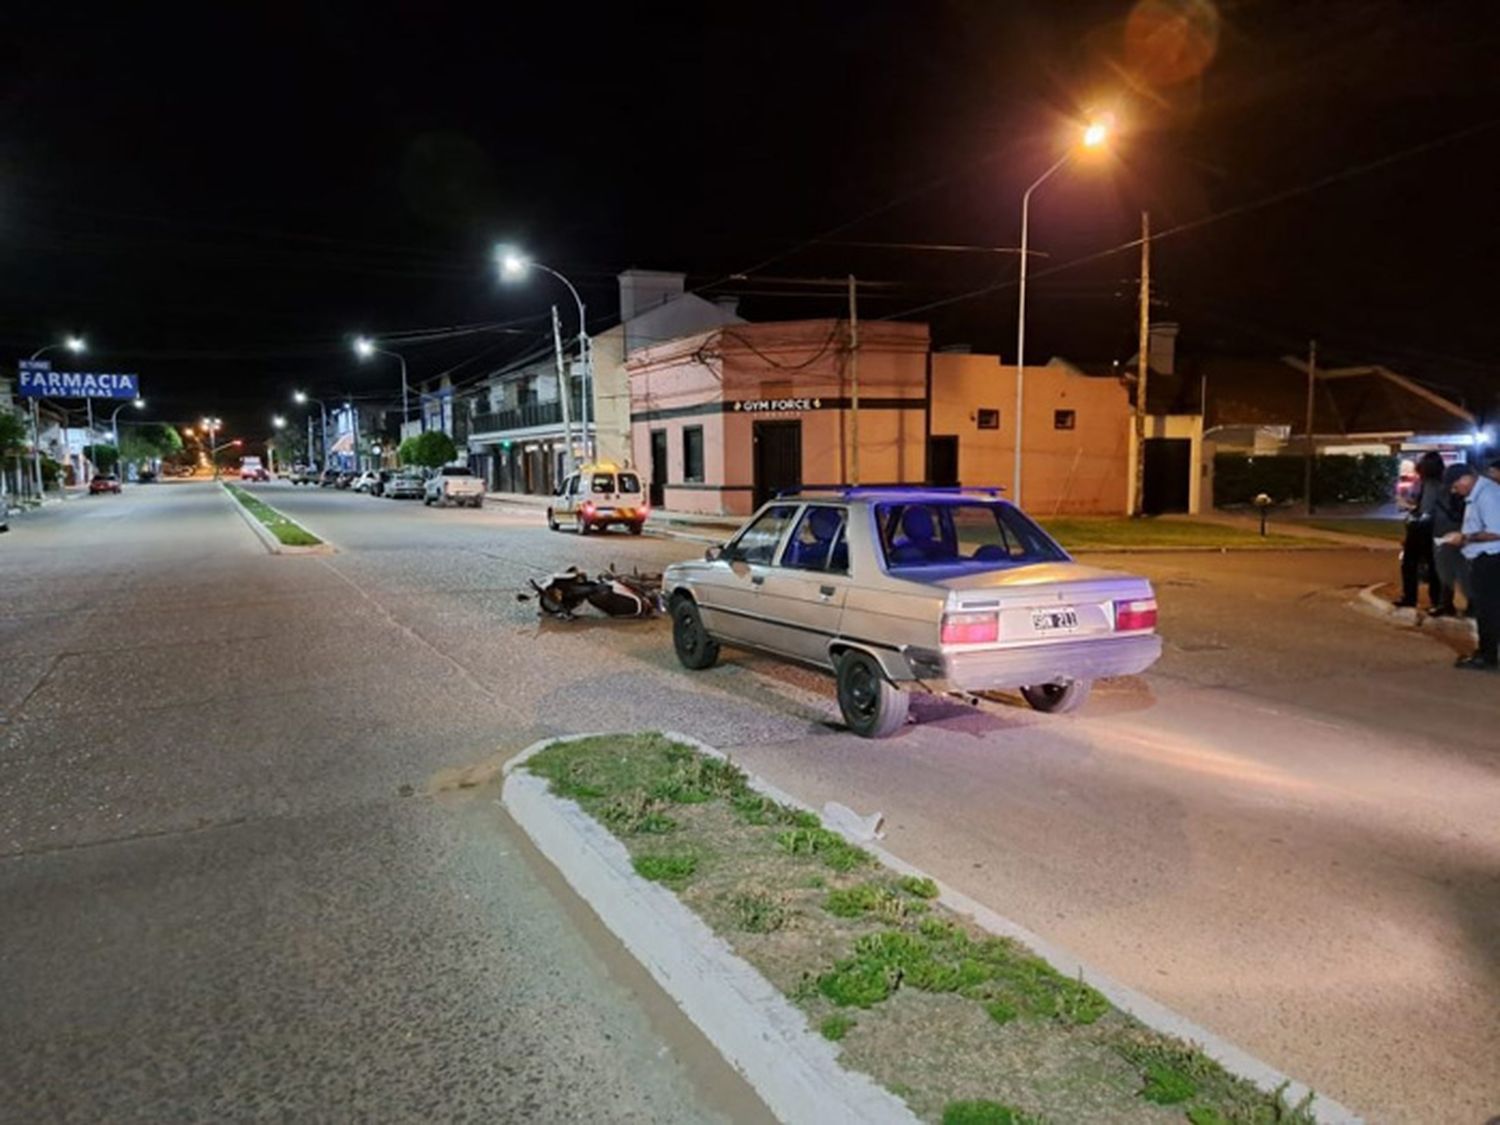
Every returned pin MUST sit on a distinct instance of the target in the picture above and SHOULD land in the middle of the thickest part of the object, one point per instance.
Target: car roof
(890, 494)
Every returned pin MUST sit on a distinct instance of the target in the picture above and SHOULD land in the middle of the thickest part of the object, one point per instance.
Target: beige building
(725, 419)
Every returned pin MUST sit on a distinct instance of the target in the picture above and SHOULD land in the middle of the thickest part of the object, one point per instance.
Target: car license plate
(1051, 620)
(605, 511)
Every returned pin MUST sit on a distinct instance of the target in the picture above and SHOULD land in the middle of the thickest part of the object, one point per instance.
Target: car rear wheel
(1058, 698)
(583, 525)
(872, 706)
(635, 528)
(695, 648)
(479, 501)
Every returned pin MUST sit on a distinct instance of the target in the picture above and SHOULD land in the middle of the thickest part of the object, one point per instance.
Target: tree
(104, 457)
(14, 435)
(150, 441)
(429, 450)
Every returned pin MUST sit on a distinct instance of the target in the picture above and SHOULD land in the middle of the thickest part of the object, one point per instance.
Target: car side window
(814, 544)
(757, 543)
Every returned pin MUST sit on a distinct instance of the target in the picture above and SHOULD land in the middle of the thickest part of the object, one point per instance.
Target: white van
(598, 495)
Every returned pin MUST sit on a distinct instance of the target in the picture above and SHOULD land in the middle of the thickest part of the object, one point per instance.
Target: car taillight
(971, 628)
(1138, 613)
(588, 507)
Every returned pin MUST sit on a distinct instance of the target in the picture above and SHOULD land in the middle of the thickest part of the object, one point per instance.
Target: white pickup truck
(454, 484)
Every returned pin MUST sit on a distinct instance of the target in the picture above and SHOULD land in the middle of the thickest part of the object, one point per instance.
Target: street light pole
(512, 265)
(114, 425)
(1093, 136)
(302, 397)
(364, 347)
(76, 345)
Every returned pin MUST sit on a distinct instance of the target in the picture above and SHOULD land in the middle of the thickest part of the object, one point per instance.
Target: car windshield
(967, 535)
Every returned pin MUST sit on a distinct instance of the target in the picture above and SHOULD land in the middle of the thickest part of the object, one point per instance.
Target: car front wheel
(1058, 698)
(552, 521)
(872, 706)
(695, 648)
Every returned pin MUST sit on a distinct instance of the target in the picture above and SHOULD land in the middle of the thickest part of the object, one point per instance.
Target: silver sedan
(895, 589)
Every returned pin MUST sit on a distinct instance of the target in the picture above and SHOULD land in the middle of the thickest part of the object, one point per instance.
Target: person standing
(1479, 540)
(1448, 560)
(1416, 550)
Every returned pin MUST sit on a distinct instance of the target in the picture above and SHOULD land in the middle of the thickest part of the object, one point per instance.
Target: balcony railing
(525, 417)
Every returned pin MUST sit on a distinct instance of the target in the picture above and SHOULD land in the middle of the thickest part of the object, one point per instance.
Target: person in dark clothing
(1452, 568)
(1416, 550)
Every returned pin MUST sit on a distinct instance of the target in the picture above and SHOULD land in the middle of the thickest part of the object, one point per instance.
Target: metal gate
(658, 468)
(1168, 475)
(778, 458)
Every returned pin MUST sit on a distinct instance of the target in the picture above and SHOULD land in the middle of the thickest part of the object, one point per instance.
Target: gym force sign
(777, 405)
(38, 380)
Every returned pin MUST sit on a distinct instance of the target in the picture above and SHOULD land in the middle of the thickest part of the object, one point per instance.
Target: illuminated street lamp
(114, 422)
(364, 347)
(513, 266)
(1094, 135)
(76, 345)
(301, 398)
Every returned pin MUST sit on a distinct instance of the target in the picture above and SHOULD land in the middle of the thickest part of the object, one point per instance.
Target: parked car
(345, 479)
(891, 589)
(146, 476)
(597, 496)
(304, 474)
(329, 478)
(104, 482)
(365, 481)
(454, 484)
(252, 469)
(408, 485)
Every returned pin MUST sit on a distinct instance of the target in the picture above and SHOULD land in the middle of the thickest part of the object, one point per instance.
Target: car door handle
(827, 591)
(757, 580)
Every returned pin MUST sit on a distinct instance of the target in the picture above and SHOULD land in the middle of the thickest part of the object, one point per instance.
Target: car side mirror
(714, 553)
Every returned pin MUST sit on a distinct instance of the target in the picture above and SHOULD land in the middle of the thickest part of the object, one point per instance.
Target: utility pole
(1312, 381)
(853, 382)
(310, 460)
(36, 446)
(1138, 508)
(88, 458)
(564, 391)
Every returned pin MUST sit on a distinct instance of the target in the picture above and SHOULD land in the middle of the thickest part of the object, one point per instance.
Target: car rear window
(604, 482)
(457, 471)
(969, 535)
(629, 482)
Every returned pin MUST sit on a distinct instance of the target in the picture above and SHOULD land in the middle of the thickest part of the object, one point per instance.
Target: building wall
(707, 380)
(1083, 470)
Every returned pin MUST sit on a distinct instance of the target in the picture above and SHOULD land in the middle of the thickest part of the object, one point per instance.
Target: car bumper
(1091, 659)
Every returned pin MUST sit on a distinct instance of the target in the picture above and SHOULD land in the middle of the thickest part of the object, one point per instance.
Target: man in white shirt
(1480, 542)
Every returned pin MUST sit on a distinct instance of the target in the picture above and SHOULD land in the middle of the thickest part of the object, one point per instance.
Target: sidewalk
(1290, 528)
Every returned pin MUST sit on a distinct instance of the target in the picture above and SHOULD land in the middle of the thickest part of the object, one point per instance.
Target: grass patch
(835, 1027)
(1099, 532)
(287, 532)
(1394, 530)
(963, 1025)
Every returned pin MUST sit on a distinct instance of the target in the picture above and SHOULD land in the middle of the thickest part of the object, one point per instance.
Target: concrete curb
(268, 537)
(794, 1070)
(571, 839)
(1370, 601)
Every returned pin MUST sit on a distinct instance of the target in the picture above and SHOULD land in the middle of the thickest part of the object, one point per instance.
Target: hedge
(1338, 478)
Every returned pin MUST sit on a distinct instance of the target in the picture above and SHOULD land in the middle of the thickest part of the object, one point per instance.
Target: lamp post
(211, 427)
(278, 423)
(364, 347)
(302, 398)
(114, 425)
(1094, 135)
(76, 345)
(513, 266)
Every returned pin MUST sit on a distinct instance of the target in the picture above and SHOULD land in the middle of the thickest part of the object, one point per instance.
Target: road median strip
(844, 984)
(287, 532)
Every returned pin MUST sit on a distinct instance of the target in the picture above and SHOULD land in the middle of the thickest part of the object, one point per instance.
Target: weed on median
(965, 1026)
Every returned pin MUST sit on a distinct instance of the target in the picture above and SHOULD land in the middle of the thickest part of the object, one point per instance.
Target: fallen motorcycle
(615, 595)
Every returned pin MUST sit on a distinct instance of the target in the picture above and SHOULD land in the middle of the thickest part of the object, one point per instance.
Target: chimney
(1162, 345)
(643, 290)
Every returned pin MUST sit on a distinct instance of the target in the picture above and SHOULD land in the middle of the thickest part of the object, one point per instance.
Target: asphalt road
(1287, 831)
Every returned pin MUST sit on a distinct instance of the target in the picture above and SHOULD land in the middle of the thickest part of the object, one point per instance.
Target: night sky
(221, 199)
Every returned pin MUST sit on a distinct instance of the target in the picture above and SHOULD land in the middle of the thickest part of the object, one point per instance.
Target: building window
(692, 454)
(988, 419)
(1064, 419)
